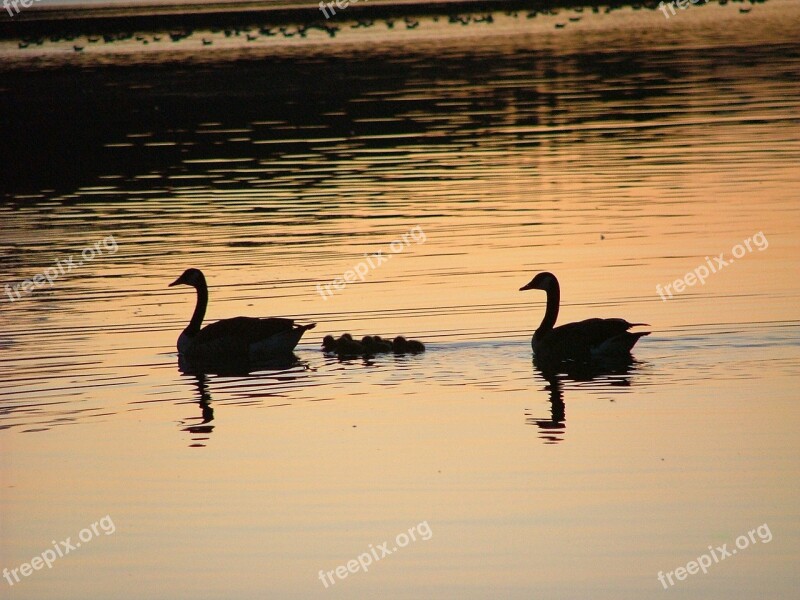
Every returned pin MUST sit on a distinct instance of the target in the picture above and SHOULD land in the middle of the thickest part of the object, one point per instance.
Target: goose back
(586, 339)
(246, 329)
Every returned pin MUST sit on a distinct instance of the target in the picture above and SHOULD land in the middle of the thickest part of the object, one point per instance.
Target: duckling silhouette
(401, 345)
(382, 344)
(329, 343)
(415, 346)
(347, 346)
(368, 342)
(374, 344)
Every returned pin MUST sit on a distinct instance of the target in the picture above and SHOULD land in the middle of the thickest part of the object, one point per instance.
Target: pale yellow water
(618, 167)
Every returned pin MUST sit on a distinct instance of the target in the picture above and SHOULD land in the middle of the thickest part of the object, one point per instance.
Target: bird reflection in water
(611, 373)
(225, 368)
(201, 431)
(237, 366)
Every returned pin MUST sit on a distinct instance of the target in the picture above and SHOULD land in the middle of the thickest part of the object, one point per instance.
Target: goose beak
(528, 286)
(176, 282)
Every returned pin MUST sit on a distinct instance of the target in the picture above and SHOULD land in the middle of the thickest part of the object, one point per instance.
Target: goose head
(192, 277)
(543, 281)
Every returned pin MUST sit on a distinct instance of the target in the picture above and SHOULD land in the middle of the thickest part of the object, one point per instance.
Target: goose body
(582, 341)
(240, 337)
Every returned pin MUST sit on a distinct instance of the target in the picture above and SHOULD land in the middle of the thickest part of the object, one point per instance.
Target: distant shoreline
(41, 21)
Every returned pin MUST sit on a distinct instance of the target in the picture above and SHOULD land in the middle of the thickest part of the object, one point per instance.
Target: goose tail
(619, 345)
(283, 342)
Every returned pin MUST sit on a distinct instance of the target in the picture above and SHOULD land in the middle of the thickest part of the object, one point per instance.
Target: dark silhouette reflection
(201, 429)
(552, 429)
(236, 366)
(608, 372)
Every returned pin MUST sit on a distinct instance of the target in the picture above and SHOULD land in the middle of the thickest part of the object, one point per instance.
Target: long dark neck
(551, 314)
(199, 310)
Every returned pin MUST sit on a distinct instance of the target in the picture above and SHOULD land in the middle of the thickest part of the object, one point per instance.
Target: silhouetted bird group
(254, 32)
(370, 345)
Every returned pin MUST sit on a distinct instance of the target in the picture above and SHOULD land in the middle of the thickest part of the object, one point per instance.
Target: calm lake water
(618, 152)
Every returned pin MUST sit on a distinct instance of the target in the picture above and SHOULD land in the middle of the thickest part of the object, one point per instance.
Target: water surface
(618, 152)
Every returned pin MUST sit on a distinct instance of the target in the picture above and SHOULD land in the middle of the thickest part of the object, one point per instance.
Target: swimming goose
(585, 340)
(237, 337)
